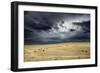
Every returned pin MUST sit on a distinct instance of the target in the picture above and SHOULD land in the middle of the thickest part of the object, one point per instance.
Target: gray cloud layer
(47, 27)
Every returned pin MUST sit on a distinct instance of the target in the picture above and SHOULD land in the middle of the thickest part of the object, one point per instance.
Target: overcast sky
(49, 27)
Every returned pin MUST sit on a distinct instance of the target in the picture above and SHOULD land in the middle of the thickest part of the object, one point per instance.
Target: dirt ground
(60, 51)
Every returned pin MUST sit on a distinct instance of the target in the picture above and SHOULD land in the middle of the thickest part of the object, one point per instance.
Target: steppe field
(59, 51)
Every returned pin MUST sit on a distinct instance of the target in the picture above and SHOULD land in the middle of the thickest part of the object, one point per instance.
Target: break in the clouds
(52, 27)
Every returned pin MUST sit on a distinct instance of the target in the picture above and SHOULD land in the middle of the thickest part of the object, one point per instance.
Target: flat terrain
(60, 51)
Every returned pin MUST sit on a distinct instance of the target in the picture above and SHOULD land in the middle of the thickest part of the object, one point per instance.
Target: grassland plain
(59, 51)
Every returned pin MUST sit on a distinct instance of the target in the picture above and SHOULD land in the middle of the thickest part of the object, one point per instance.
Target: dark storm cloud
(85, 25)
(39, 21)
(49, 27)
(45, 20)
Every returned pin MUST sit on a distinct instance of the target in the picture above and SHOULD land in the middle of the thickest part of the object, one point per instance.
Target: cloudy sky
(51, 27)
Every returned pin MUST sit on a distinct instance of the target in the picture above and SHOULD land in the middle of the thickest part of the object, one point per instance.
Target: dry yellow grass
(60, 51)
